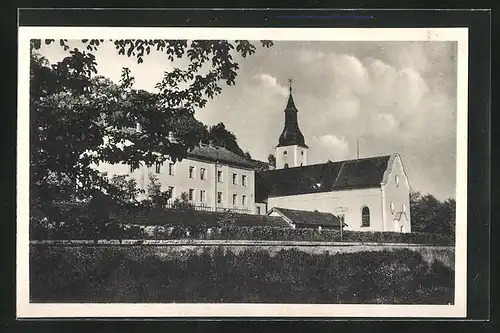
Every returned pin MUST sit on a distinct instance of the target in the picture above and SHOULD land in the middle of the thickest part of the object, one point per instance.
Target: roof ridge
(338, 174)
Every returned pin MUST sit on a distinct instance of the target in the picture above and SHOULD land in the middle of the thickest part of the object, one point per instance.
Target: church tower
(292, 149)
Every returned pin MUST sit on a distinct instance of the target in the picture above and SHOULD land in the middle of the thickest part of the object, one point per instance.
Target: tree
(428, 214)
(183, 204)
(156, 197)
(78, 119)
(272, 160)
(220, 136)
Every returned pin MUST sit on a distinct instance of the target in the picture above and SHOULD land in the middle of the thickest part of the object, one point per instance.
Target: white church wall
(396, 193)
(333, 202)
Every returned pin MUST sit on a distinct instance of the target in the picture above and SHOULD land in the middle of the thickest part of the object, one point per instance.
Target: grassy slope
(291, 276)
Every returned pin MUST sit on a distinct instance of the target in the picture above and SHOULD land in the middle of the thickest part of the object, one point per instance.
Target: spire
(290, 104)
(291, 134)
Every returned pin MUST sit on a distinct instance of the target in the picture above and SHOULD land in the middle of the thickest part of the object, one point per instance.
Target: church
(369, 194)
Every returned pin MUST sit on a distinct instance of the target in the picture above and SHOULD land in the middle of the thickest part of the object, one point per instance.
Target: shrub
(118, 275)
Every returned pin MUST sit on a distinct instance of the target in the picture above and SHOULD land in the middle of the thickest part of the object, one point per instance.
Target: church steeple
(291, 134)
(291, 150)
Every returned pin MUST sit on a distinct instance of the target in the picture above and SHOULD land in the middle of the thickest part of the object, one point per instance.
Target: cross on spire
(290, 81)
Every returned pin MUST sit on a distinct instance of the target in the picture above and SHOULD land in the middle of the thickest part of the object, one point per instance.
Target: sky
(394, 97)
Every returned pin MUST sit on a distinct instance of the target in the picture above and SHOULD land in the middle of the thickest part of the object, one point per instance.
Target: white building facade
(212, 177)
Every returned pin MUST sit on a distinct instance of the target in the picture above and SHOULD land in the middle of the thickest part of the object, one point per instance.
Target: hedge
(292, 276)
(40, 229)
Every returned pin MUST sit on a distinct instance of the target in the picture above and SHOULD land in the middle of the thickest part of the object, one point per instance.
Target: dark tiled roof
(326, 177)
(172, 217)
(308, 218)
(220, 154)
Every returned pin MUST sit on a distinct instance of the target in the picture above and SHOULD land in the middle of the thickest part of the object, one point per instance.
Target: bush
(96, 223)
(84, 229)
(292, 276)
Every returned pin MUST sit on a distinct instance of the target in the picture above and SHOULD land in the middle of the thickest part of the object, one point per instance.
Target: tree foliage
(182, 203)
(222, 137)
(430, 215)
(78, 119)
(272, 160)
(157, 198)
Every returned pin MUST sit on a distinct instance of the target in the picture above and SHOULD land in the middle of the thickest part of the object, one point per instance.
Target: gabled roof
(326, 177)
(308, 218)
(173, 217)
(219, 154)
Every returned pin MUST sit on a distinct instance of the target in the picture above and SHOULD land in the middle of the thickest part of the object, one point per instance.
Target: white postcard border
(25, 309)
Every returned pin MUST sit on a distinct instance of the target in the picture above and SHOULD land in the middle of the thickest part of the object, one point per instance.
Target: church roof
(219, 154)
(326, 177)
(308, 218)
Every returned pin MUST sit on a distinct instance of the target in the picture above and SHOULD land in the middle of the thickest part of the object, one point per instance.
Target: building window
(219, 197)
(202, 173)
(235, 179)
(191, 194)
(170, 192)
(203, 195)
(235, 197)
(286, 165)
(396, 179)
(191, 171)
(285, 152)
(219, 176)
(158, 167)
(302, 153)
(243, 200)
(365, 217)
(244, 180)
(258, 210)
(392, 207)
(171, 169)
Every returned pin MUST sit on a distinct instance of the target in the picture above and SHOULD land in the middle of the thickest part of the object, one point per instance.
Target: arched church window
(396, 179)
(392, 207)
(365, 217)
(286, 165)
(285, 152)
(302, 153)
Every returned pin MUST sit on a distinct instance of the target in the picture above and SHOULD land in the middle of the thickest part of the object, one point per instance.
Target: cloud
(270, 82)
(331, 146)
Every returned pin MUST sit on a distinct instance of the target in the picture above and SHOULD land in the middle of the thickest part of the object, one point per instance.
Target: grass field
(105, 274)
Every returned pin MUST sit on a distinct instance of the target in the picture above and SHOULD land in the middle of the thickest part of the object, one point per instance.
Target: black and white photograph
(263, 172)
